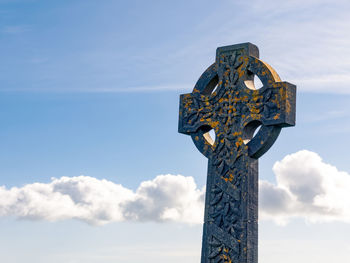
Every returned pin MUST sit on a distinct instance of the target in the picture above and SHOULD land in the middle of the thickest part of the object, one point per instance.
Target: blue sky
(89, 104)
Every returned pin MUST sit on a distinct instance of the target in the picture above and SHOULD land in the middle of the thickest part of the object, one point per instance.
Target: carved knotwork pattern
(225, 211)
(228, 108)
(220, 253)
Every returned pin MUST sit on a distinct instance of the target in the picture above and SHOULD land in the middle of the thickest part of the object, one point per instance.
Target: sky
(92, 167)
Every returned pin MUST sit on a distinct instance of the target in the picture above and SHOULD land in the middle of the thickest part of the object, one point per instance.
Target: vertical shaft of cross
(230, 230)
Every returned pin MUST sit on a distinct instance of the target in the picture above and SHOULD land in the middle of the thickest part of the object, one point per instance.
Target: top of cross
(224, 99)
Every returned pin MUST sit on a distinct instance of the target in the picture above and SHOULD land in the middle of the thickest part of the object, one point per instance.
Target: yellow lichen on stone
(288, 106)
(214, 124)
(276, 117)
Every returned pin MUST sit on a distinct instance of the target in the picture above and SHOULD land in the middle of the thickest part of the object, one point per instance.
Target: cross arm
(194, 113)
(274, 103)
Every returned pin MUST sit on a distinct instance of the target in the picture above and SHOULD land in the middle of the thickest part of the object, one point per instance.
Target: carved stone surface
(224, 99)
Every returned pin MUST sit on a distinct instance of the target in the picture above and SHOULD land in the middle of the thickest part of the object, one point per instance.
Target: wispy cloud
(15, 29)
(139, 89)
(305, 41)
(324, 116)
(306, 188)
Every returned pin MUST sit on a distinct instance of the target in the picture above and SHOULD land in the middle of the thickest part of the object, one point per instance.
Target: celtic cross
(225, 100)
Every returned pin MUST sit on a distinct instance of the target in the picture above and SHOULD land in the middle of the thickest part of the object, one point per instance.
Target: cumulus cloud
(165, 198)
(306, 187)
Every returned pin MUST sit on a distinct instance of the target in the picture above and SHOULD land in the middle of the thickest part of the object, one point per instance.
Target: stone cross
(225, 100)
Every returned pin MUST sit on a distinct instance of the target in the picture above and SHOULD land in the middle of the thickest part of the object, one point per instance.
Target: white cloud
(165, 198)
(306, 187)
